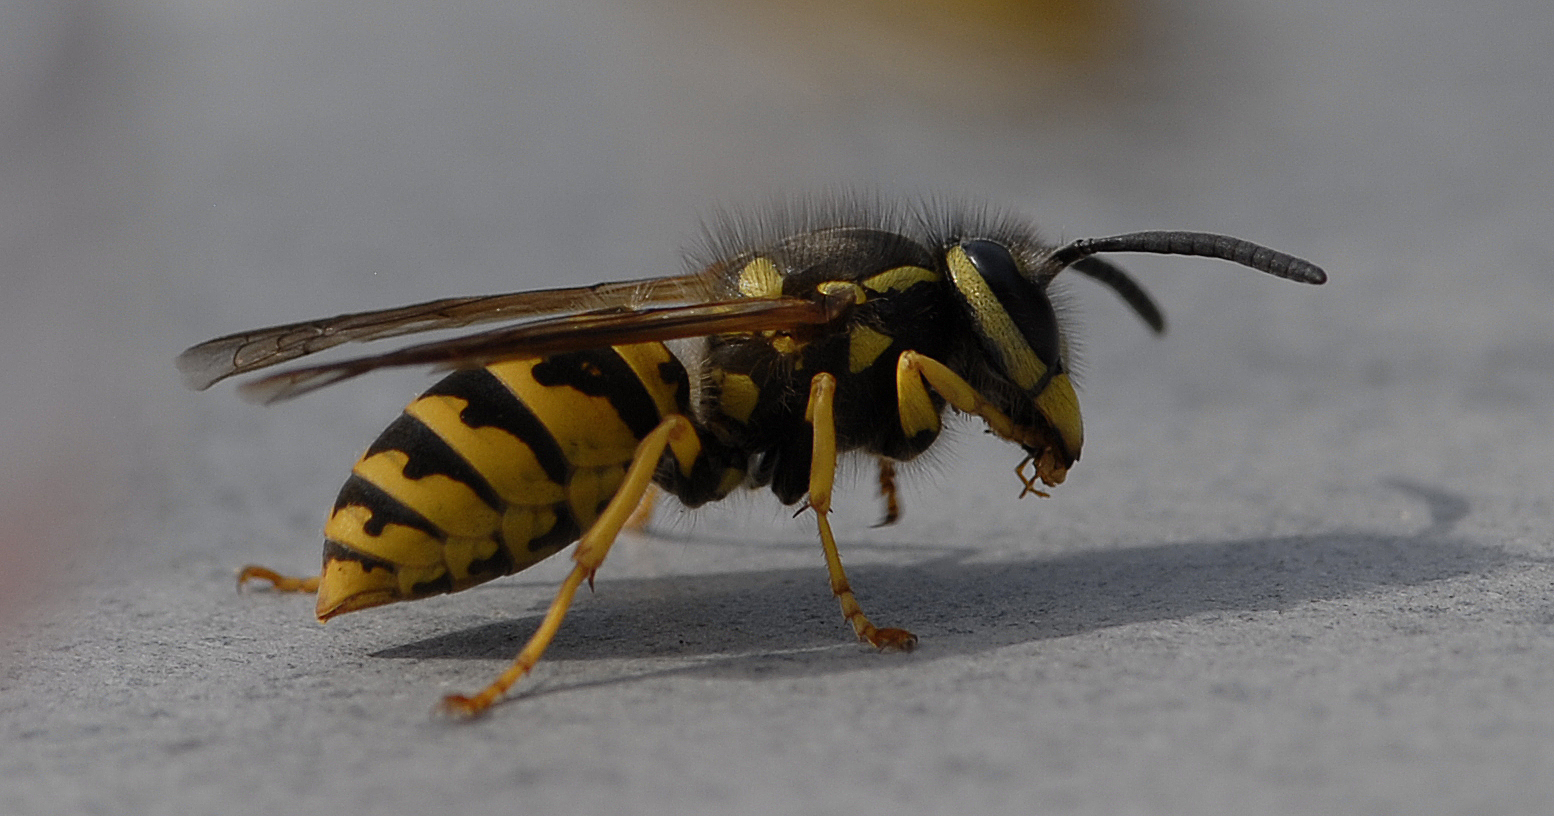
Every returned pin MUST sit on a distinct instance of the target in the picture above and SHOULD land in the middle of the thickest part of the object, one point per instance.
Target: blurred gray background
(1303, 565)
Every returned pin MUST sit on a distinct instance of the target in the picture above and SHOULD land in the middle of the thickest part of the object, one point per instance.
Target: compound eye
(1026, 303)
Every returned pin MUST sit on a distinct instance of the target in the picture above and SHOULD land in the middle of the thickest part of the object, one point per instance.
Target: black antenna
(1202, 244)
(1125, 287)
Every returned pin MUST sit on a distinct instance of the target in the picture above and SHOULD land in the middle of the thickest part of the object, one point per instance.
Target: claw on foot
(892, 640)
(278, 582)
(1031, 480)
(460, 707)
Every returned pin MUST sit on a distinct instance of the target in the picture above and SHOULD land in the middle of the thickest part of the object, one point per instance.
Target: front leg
(920, 415)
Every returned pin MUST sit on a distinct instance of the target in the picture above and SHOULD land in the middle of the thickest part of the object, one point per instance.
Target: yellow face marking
(864, 346)
(737, 395)
(1019, 359)
(902, 278)
(760, 279)
(507, 463)
(1060, 405)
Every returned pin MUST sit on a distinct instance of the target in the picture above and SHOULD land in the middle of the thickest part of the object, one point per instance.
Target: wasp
(812, 334)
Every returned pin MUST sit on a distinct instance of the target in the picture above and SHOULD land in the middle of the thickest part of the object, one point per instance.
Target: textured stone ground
(1303, 566)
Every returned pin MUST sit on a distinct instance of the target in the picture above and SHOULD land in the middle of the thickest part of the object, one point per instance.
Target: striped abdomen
(492, 470)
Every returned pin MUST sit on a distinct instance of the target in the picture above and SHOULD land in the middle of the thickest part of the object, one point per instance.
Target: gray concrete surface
(1304, 565)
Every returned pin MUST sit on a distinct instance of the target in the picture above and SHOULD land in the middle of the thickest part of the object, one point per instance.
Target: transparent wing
(575, 332)
(215, 360)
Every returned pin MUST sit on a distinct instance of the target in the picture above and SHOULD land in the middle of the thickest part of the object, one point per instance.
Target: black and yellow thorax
(757, 384)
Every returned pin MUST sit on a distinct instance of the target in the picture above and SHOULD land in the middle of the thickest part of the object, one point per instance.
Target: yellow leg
(917, 414)
(888, 492)
(590, 553)
(822, 473)
(279, 582)
(912, 368)
(643, 515)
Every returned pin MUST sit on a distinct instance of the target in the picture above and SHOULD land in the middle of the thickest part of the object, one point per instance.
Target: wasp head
(1020, 363)
(1023, 370)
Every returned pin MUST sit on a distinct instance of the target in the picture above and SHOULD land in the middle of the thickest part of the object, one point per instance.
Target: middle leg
(822, 474)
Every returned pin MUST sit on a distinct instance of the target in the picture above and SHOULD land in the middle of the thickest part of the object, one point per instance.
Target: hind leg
(278, 582)
(675, 431)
